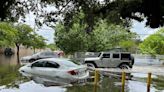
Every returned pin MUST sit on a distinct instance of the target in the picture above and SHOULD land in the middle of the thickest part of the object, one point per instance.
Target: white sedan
(55, 69)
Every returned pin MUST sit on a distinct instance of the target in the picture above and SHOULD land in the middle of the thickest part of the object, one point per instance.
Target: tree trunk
(17, 46)
(34, 50)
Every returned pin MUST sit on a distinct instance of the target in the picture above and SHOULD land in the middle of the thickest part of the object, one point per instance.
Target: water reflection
(12, 60)
(12, 81)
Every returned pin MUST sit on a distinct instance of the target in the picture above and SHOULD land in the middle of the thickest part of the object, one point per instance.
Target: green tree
(23, 37)
(154, 44)
(129, 45)
(7, 33)
(52, 46)
(104, 36)
(37, 42)
(110, 35)
(72, 39)
(113, 10)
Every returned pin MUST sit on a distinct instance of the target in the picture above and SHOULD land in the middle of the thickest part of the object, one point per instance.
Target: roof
(56, 59)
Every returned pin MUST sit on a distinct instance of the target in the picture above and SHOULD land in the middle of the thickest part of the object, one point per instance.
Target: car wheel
(124, 66)
(91, 65)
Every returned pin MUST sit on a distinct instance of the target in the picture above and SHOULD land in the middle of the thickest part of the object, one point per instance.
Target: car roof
(60, 61)
(56, 59)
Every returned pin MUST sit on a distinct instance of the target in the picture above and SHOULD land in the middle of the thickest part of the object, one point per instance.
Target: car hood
(92, 58)
(26, 58)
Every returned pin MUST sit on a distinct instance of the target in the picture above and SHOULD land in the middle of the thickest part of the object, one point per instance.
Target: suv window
(51, 65)
(116, 56)
(125, 56)
(49, 53)
(106, 55)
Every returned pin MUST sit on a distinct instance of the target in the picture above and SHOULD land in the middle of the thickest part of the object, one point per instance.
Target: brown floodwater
(12, 81)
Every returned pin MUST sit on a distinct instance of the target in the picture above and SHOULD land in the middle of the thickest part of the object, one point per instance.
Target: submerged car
(37, 56)
(56, 69)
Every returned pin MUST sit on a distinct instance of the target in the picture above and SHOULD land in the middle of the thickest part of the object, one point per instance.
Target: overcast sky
(48, 33)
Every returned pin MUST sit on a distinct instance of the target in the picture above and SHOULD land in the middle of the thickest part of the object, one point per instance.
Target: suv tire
(92, 65)
(124, 66)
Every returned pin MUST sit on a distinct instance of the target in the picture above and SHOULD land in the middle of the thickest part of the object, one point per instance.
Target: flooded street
(12, 81)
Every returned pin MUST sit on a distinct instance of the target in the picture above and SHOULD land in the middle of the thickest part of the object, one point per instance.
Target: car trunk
(78, 71)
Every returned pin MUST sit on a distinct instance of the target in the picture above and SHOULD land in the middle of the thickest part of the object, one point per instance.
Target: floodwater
(12, 81)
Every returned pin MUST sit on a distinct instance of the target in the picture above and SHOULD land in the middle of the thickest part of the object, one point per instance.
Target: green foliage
(154, 44)
(71, 41)
(129, 45)
(52, 46)
(103, 37)
(7, 34)
(27, 37)
(20, 34)
(24, 33)
(38, 41)
(109, 35)
(116, 11)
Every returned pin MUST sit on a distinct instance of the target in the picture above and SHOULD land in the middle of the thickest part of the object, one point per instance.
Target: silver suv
(111, 59)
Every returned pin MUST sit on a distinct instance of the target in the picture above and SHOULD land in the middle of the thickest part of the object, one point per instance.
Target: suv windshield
(99, 54)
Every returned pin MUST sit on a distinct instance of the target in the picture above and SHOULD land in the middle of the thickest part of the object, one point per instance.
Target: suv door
(48, 55)
(116, 59)
(106, 60)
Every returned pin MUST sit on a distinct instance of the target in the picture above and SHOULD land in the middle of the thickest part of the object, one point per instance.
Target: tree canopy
(23, 37)
(20, 34)
(115, 11)
(154, 44)
(104, 36)
(7, 34)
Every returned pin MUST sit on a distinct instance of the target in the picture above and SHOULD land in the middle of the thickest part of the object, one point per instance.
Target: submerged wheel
(124, 66)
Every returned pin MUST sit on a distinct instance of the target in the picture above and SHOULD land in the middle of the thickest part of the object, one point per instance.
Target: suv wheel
(124, 66)
(91, 65)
